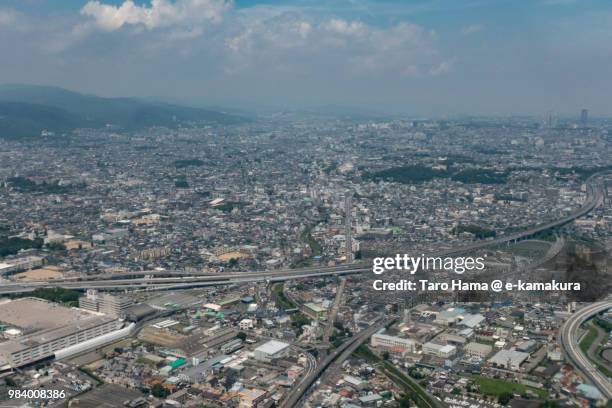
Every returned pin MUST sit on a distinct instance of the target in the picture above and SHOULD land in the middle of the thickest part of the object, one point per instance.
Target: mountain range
(27, 110)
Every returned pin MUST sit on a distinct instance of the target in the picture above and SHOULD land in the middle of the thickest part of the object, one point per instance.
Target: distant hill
(26, 110)
(22, 120)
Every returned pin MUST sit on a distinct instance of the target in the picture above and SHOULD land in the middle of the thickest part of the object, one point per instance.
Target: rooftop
(33, 314)
(272, 347)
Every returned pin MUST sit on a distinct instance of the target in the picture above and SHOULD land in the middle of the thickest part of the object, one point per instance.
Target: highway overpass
(571, 348)
(348, 346)
(180, 280)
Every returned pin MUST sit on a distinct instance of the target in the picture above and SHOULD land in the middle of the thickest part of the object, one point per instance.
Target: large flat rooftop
(32, 314)
(43, 322)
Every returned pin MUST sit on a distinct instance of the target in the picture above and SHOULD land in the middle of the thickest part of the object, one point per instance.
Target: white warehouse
(271, 350)
(439, 350)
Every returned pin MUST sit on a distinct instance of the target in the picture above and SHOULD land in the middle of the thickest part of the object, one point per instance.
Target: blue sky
(421, 57)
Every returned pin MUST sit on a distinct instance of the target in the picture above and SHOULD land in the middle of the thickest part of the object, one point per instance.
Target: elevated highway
(571, 348)
(178, 280)
(343, 351)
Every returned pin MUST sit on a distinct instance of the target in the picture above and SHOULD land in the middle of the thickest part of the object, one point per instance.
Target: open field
(160, 337)
(46, 273)
(495, 387)
(588, 339)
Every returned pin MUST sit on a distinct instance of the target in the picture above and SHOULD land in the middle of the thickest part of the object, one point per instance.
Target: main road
(341, 352)
(331, 318)
(182, 280)
(570, 345)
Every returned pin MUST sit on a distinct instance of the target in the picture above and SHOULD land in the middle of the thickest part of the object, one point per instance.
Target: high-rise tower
(584, 117)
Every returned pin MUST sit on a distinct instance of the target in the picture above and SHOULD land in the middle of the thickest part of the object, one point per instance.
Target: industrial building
(438, 350)
(528, 346)
(474, 349)
(20, 264)
(47, 328)
(450, 316)
(231, 346)
(509, 359)
(271, 350)
(393, 343)
(314, 311)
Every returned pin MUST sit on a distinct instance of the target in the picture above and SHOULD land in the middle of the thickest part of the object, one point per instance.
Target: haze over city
(437, 57)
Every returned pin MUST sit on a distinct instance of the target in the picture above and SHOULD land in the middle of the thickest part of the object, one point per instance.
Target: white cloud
(304, 28)
(8, 18)
(345, 27)
(472, 29)
(310, 45)
(269, 39)
(442, 68)
(160, 13)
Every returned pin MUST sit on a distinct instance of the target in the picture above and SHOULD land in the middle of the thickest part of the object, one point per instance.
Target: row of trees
(416, 174)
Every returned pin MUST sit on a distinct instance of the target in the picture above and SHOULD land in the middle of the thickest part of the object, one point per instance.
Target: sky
(412, 57)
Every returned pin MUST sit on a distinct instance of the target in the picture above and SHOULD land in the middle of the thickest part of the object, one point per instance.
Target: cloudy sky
(419, 57)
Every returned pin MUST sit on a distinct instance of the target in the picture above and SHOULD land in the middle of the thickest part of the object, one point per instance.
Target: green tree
(405, 401)
(56, 246)
(504, 398)
(230, 379)
(10, 246)
(159, 391)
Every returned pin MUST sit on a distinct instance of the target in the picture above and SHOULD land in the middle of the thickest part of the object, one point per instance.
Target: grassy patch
(145, 361)
(604, 324)
(307, 237)
(419, 173)
(67, 297)
(604, 370)
(492, 386)
(365, 353)
(25, 185)
(281, 300)
(478, 231)
(420, 396)
(588, 339)
(11, 246)
(297, 319)
(587, 342)
(90, 374)
(422, 399)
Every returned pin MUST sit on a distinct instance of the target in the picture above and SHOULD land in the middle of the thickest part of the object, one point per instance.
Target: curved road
(180, 280)
(350, 345)
(570, 345)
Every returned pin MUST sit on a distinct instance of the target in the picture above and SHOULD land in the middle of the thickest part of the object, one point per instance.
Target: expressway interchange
(179, 280)
(570, 345)
(341, 353)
